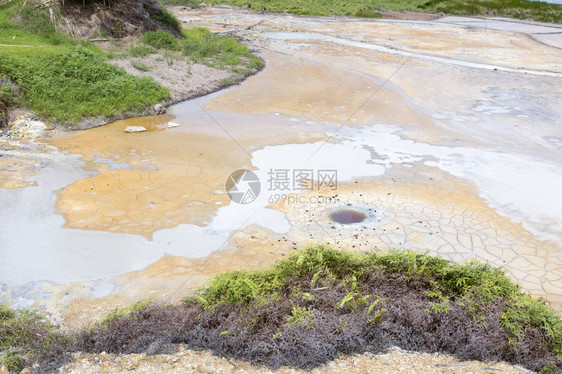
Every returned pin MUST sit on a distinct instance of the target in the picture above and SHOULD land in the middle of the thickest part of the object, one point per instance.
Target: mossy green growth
(520, 9)
(237, 287)
(522, 311)
(474, 284)
(245, 286)
(6, 313)
(118, 313)
(300, 316)
(216, 50)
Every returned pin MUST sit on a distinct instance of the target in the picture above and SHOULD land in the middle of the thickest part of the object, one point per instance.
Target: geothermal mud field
(440, 135)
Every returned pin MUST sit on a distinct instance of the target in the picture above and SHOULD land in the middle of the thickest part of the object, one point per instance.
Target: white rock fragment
(135, 129)
(159, 109)
(173, 124)
(27, 128)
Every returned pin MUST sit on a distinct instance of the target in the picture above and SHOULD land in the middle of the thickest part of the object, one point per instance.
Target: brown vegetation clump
(321, 303)
(113, 19)
(312, 308)
(8, 93)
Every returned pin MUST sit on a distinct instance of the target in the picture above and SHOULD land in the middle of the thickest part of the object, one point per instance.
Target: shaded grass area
(522, 9)
(8, 98)
(320, 303)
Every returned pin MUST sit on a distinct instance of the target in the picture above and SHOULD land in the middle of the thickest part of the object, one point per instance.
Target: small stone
(135, 129)
(159, 109)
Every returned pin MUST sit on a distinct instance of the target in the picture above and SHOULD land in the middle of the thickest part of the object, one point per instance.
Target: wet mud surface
(445, 137)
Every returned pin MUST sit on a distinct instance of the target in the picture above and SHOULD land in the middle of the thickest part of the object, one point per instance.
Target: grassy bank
(61, 79)
(320, 303)
(204, 47)
(65, 80)
(521, 9)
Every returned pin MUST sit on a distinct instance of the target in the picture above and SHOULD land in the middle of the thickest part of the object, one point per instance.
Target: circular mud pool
(347, 216)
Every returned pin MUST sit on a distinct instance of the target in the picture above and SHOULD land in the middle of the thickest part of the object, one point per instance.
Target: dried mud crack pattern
(442, 216)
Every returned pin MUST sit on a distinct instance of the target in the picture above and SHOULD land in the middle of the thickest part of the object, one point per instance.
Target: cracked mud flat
(451, 143)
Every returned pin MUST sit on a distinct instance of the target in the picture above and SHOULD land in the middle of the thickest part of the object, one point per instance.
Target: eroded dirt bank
(446, 135)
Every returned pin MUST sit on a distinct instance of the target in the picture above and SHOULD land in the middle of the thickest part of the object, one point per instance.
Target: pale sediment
(185, 360)
(421, 141)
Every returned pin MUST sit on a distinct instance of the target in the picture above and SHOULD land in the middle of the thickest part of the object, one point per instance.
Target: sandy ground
(187, 361)
(184, 78)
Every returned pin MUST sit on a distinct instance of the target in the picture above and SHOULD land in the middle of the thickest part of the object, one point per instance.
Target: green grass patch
(61, 79)
(161, 40)
(118, 313)
(140, 66)
(522, 9)
(473, 285)
(26, 337)
(73, 83)
(141, 50)
(186, 3)
(66, 81)
(202, 46)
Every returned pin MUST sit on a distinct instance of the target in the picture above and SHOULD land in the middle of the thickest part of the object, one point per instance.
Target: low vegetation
(61, 79)
(186, 3)
(66, 81)
(8, 98)
(26, 337)
(76, 84)
(523, 9)
(320, 303)
(205, 47)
